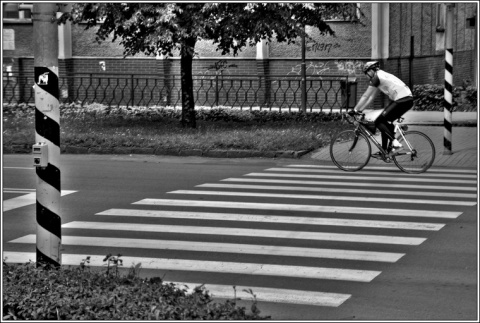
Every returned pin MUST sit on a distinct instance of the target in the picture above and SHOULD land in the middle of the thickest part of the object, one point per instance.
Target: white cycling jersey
(390, 85)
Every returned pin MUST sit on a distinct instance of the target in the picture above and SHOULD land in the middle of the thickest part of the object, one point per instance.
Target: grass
(124, 128)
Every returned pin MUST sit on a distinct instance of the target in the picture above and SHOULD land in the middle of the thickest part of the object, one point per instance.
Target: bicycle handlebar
(358, 116)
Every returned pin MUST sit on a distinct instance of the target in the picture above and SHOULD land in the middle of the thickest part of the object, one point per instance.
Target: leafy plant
(84, 263)
(115, 262)
(31, 293)
(430, 97)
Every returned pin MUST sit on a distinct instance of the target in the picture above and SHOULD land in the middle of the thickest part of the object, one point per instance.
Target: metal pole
(475, 61)
(304, 74)
(132, 91)
(412, 54)
(47, 132)
(448, 92)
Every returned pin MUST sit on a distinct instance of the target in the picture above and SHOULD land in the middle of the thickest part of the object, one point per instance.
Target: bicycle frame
(397, 129)
(359, 127)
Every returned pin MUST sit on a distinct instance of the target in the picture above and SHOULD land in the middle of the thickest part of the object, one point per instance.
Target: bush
(170, 114)
(31, 293)
(430, 97)
(97, 126)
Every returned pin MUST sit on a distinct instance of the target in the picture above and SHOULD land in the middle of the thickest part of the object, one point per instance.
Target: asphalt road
(403, 247)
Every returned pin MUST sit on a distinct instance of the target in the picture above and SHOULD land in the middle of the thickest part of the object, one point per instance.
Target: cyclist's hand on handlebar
(353, 112)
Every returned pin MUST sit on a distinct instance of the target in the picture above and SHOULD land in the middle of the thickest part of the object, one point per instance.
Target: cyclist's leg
(386, 128)
(395, 111)
(392, 112)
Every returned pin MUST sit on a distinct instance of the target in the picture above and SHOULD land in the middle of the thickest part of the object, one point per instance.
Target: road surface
(311, 241)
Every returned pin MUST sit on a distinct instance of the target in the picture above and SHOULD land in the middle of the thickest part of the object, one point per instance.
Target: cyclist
(397, 91)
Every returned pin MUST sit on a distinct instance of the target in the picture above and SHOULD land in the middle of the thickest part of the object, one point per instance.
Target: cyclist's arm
(367, 98)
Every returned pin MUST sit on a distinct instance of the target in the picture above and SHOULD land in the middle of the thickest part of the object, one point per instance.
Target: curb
(441, 124)
(27, 149)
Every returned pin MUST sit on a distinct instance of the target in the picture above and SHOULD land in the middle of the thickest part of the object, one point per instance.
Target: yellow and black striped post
(448, 92)
(47, 131)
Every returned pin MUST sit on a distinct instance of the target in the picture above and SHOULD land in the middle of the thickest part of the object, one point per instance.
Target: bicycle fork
(354, 143)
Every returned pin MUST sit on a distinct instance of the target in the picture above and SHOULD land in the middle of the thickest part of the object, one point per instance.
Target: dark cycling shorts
(397, 108)
(392, 112)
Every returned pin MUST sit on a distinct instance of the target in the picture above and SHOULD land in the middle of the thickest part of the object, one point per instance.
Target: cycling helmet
(370, 65)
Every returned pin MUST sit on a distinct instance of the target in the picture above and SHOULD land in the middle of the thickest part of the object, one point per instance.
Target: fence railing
(281, 92)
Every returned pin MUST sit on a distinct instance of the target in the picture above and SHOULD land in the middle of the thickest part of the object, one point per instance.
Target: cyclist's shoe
(377, 155)
(396, 145)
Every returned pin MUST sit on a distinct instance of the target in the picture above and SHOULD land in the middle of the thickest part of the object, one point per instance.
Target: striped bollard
(47, 136)
(447, 140)
(448, 96)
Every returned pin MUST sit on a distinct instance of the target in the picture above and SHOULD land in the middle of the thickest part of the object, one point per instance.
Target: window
(17, 10)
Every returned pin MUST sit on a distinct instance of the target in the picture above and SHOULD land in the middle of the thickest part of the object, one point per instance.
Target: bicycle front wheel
(417, 155)
(350, 151)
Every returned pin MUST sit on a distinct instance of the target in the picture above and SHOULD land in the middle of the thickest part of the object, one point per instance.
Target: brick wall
(342, 55)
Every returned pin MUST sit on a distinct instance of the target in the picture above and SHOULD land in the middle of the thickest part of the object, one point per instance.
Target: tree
(162, 28)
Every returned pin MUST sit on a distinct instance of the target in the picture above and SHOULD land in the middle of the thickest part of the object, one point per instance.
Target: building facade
(407, 38)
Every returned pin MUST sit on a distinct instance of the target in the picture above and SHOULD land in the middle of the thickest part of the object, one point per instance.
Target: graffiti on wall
(351, 67)
(218, 68)
(312, 69)
(320, 47)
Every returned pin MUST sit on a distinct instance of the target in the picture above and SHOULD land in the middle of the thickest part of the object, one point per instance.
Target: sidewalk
(464, 137)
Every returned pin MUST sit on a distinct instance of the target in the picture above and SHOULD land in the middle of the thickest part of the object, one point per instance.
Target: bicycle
(350, 150)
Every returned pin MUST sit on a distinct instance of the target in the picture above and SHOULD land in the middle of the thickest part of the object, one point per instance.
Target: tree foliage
(165, 28)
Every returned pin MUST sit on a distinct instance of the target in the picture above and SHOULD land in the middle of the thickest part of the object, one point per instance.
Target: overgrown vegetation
(430, 97)
(31, 293)
(219, 128)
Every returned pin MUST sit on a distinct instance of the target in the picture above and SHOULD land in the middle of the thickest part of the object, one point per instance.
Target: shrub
(170, 114)
(471, 95)
(31, 293)
(97, 126)
(430, 97)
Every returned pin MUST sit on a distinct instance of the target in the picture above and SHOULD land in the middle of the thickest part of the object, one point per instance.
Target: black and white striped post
(47, 134)
(448, 92)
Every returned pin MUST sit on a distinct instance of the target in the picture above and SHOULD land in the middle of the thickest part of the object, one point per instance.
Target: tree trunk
(186, 68)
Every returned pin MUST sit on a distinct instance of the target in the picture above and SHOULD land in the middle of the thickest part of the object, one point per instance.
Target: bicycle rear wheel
(350, 151)
(418, 159)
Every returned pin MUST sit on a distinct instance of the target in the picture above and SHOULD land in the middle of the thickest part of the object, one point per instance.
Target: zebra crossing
(341, 221)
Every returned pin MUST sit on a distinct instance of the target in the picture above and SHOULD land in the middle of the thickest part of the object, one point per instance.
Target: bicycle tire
(346, 158)
(421, 159)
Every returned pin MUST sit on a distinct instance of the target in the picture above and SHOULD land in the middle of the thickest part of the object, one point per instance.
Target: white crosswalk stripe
(354, 184)
(336, 234)
(393, 168)
(224, 247)
(327, 197)
(367, 178)
(301, 208)
(244, 232)
(279, 295)
(273, 219)
(241, 268)
(27, 198)
(416, 176)
(337, 190)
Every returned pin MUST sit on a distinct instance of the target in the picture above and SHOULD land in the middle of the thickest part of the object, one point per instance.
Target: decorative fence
(282, 92)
